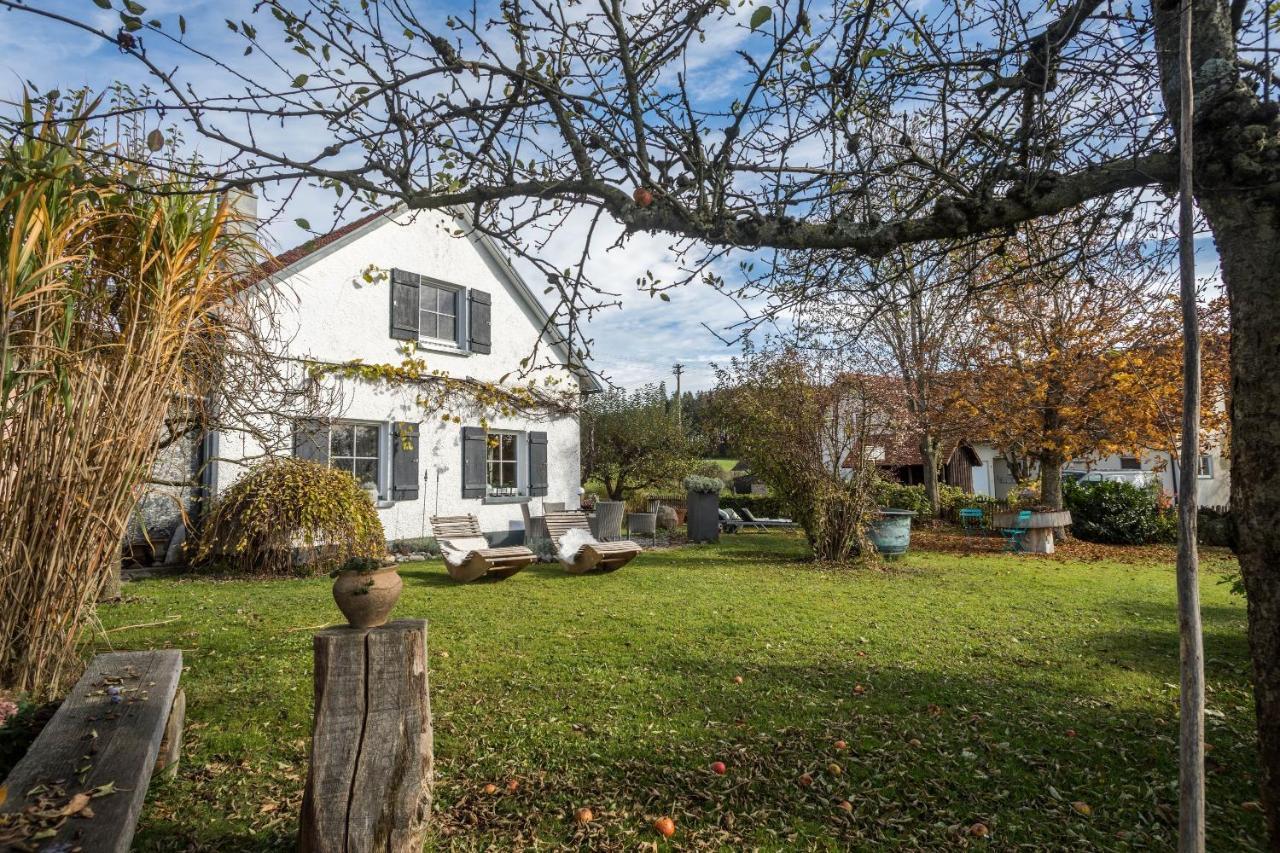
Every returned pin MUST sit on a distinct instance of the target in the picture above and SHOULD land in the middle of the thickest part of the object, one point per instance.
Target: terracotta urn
(367, 598)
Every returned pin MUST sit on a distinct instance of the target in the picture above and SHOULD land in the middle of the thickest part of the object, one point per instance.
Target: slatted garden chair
(1014, 536)
(591, 554)
(973, 522)
(467, 554)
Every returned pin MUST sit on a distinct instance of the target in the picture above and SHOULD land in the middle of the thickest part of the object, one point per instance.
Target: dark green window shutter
(480, 336)
(537, 464)
(311, 441)
(404, 305)
(474, 459)
(404, 462)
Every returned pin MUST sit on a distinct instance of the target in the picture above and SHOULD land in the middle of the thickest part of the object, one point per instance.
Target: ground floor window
(350, 446)
(503, 463)
(1130, 463)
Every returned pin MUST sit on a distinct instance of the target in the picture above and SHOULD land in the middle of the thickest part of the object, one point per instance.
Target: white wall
(328, 313)
(1215, 489)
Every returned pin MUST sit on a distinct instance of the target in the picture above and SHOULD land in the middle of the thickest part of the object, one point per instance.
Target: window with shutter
(404, 462)
(538, 464)
(480, 334)
(474, 462)
(404, 305)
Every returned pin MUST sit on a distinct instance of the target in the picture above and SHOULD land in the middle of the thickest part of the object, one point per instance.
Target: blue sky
(633, 344)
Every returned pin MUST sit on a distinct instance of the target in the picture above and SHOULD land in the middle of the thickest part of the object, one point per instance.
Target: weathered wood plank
(99, 747)
(369, 784)
(171, 743)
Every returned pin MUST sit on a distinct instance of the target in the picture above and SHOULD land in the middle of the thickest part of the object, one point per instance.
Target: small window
(1130, 463)
(503, 462)
(1205, 468)
(439, 312)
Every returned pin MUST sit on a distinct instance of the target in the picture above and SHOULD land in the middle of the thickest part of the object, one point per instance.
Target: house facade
(461, 307)
(996, 480)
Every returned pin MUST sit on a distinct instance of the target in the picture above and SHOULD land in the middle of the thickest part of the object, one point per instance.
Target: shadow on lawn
(927, 755)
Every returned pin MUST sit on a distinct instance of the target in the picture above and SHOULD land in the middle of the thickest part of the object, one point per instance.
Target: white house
(470, 315)
(995, 479)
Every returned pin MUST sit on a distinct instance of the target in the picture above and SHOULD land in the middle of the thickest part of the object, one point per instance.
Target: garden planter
(1040, 528)
(703, 517)
(367, 598)
(891, 532)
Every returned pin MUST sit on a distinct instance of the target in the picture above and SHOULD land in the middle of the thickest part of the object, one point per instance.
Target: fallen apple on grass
(584, 815)
(665, 826)
(718, 768)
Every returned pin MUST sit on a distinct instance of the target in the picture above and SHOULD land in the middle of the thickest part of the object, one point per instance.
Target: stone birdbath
(1039, 539)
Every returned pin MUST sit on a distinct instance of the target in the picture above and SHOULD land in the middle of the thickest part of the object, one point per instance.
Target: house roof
(299, 257)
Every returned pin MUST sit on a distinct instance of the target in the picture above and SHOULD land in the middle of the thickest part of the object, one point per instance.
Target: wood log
(369, 781)
(83, 781)
(171, 743)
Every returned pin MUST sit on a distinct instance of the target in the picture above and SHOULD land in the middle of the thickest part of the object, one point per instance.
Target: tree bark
(1051, 480)
(1247, 232)
(1191, 639)
(929, 456)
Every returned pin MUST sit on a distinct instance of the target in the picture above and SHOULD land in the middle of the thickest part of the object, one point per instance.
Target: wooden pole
(1191, 691)
(369, 781)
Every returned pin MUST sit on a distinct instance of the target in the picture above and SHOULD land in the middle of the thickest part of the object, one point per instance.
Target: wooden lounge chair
(467, 554)
(605, 556)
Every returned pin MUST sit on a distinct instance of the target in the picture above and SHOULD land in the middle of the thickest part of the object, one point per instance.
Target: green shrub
(1216, 527)
(761, 506)
(288, 517)
(414, 545)
(1118, 513)
(891, 495)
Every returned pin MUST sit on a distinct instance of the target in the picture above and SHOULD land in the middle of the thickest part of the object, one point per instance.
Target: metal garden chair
(973, 522)
(1014, 536)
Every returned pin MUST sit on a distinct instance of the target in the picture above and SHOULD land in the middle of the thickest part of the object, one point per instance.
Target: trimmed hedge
(1118, 513)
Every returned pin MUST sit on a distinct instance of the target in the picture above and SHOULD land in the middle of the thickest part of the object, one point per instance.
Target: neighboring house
(898, 457)
(470, 315)
(1214, 472)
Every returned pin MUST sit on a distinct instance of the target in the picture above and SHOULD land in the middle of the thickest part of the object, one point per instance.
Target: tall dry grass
(112, 287)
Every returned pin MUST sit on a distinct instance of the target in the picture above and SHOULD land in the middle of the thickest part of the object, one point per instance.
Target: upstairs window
(1130, 463)
(438, 312)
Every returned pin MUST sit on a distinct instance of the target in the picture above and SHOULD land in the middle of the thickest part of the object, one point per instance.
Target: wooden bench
(84, 779)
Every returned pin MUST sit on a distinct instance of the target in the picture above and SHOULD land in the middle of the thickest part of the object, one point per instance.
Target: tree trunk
(929, 455)
(1234, 187)
(1247, 233)
(1051, 480)
(1190, 636)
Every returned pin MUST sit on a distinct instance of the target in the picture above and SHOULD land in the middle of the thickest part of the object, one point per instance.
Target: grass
(957, 681)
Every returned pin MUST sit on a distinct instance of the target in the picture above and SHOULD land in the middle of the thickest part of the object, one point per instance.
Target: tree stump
(369, 780)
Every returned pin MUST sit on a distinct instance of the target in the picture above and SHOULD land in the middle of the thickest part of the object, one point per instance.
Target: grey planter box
(703, 519)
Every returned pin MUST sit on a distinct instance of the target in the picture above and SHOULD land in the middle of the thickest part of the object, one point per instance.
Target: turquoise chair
(972, 522)
(1014, 536)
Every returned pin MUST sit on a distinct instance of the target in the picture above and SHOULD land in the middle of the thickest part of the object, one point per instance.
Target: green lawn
(956, 681)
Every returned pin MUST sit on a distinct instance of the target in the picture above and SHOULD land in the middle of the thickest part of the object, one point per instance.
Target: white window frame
(461, 321)
(384, 450)
(1204, 467)
(521, 462)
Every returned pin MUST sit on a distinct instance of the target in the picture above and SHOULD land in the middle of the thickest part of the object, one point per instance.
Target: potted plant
(366, 589)
(703, 498)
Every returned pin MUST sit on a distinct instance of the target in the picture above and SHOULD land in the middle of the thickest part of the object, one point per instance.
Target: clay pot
(367, 598)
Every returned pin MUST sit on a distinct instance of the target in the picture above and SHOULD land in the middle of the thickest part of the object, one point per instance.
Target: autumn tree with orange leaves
(1060, 320)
